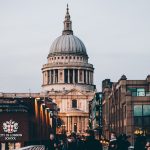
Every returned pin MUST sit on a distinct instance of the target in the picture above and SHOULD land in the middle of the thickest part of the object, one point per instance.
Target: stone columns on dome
(68, 75)
(78, 76)
(46, 77)
(50, 76)
(82, 76)
(86, 77)
(53, 76)
(73, 75)
(89, 77)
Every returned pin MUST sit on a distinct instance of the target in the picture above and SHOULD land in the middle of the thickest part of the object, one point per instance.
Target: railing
(68, 64)
(33, 147)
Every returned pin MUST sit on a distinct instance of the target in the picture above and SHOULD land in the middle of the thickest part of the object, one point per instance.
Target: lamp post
(139, 132)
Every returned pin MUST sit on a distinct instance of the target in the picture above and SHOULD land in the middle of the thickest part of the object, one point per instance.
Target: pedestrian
(63, 145)
(91, 143)
(122, 142)
(140, 143)
(113, 142)
(147, 147)
(51, 144)
(72, 142)
(80, 143)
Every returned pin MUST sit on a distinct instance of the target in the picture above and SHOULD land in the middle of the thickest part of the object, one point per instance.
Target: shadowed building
(68, 78)
(25, 119)
(95, 114)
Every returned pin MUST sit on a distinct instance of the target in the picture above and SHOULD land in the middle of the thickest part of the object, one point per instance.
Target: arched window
(74, 103)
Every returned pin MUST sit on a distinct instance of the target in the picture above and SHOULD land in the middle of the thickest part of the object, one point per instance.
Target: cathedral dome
(67, 43)
(67, 63)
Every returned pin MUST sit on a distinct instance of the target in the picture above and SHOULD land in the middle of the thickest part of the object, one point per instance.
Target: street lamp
(138, 131)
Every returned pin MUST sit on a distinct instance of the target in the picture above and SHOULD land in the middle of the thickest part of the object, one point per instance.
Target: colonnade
(72, 76)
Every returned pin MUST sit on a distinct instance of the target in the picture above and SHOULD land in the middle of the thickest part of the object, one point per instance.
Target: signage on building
(10, 126)
(14, 126)
(10, 129)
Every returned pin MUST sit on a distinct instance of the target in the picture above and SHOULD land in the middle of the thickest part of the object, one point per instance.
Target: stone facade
(68, 79)
(75, 118)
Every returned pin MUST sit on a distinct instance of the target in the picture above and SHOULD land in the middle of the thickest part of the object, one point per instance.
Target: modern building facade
(126, 107)
(68, 78)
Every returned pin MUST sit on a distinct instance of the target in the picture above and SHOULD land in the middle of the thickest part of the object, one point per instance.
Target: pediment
(75, 92)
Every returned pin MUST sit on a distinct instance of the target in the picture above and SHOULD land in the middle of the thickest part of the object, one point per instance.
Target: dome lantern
(67, 24)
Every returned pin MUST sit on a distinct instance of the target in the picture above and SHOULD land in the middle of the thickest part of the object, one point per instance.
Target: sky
(116, 34)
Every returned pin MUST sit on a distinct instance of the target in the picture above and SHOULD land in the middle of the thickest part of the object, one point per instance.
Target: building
(95, 114)
(25, 120)
(126, 107)
(68, 79)
(28, 118)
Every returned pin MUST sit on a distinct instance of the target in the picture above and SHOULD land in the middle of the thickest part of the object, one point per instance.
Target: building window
(137, 110)
(146, 110)
(137, 91)
(141, 115)
(74, 103)
(141, 110)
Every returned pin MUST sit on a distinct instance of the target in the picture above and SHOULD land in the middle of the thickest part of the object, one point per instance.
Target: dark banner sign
(13, 126)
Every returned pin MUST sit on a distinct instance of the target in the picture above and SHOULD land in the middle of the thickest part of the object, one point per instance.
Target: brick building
(126, 107)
